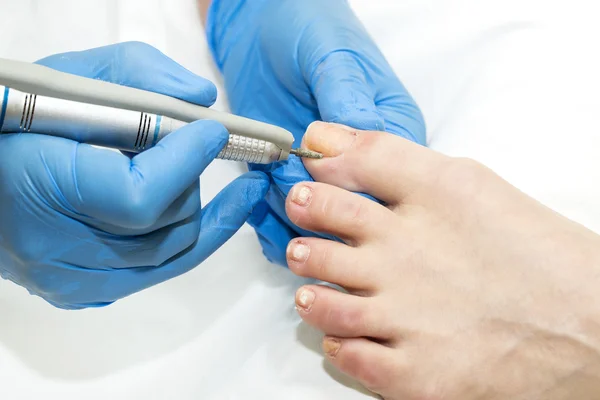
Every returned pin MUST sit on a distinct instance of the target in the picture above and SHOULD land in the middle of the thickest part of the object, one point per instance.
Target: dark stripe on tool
(29, 98)
(34, 101)
(24, 109)
(147, 132)
(143, 131)
(139, 129)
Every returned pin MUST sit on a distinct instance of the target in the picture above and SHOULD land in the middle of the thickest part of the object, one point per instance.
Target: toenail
(298, 252)
(305, 299)
(331, 346)
(301, 195)
(331, 140)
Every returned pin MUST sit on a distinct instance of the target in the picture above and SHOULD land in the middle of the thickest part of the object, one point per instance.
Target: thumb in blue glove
(84, 227)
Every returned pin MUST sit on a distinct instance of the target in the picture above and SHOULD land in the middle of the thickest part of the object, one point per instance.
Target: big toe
(383, 165)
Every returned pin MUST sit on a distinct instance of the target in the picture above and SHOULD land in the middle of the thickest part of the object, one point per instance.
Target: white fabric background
(512, 83)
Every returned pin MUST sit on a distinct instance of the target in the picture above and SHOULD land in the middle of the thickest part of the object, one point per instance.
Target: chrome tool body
(37, 99)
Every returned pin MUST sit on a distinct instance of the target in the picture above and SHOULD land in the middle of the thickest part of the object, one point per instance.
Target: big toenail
(331, 346)
(305, 299)
(298, 252)
(302, 195)
(330, 140)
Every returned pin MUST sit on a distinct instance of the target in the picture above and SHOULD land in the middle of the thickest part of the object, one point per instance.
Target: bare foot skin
(461, 288)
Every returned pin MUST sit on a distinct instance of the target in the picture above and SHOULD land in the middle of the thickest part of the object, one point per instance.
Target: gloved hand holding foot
(83, 227)
(290, 63)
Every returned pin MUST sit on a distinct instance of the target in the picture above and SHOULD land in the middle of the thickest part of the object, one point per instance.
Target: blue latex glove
(291, 62)
(84, 227)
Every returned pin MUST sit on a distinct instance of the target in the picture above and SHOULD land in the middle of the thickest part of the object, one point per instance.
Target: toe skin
(327, 209)
(386, 166)
(341, 314)
(373, 365)
(333, 262)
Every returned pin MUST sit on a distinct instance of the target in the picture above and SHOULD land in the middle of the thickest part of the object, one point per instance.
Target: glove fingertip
(290, 173)
(273, 235)
(158, 72)
(191, 87)
(258, 189)
(209, 94)
(245, 192)
(259, 213)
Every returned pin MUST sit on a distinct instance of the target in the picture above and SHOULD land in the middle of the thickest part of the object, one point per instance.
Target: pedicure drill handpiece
(37, 99)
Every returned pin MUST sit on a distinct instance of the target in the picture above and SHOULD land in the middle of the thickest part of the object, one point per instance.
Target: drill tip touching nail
(305, 153)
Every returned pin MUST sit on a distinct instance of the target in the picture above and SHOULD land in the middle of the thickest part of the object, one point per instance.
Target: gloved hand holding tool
(82, 226)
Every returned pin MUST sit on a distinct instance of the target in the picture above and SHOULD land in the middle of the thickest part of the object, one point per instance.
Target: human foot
(461, 287)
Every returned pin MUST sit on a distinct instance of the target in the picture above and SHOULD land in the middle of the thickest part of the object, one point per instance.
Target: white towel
(512, 83)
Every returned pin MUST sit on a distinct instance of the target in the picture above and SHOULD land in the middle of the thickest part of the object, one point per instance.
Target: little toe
(332, 262)
(374, 365)
(340, 314)
(327, 209)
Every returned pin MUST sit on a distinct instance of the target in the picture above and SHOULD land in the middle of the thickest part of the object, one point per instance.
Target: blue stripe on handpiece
(4, 105)
(156, 129)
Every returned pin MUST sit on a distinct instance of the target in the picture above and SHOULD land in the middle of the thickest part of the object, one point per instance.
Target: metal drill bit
(304, 153)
